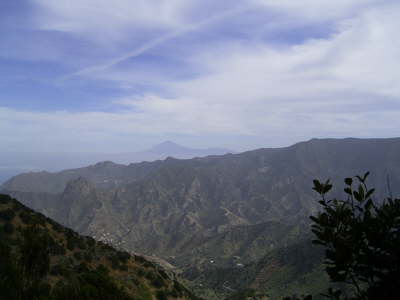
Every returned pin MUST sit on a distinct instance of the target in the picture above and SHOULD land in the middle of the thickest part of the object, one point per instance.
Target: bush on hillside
(361, 239)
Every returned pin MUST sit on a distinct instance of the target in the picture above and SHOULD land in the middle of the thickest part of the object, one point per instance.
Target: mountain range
(214, 214)
(13, 163)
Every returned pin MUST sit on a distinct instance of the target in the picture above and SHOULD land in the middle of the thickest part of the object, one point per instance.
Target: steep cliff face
(78, 204)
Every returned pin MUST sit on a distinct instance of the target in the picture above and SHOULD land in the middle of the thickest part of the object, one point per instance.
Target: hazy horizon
(13, 163)
(96, 76)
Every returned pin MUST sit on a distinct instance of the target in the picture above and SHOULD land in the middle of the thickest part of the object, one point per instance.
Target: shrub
(57, 270)
(162, 295)
(57, 227)
(123, 256)
(8, 228)
(7, 215)
(57, 249)
(70, 243)
(88, 257)
(90, 242)
(25, 217)
(77, 255)
(156, 280)
(361, 240)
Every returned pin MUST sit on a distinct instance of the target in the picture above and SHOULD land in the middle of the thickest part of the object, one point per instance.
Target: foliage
(295, 297)
(37, 264)
(7, 215)
(34, 260)
(243, 294)
(248, 294)
(10, 283)
(162, 295)
(361, 240)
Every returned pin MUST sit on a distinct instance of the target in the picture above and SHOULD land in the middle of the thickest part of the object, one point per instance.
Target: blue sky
(95, 75)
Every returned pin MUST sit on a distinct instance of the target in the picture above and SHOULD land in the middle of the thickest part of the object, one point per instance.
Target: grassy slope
(40, 256)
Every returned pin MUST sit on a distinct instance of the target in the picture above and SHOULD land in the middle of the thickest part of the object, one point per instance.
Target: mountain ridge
(173, 208)
(16, 163)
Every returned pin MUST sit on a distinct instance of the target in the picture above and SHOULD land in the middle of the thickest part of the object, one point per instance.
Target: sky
(123, 75)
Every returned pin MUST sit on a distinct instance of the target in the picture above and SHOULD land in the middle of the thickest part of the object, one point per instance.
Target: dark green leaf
(317, 186)
(348, 181)
(327, 187)
(361, 192)
(357, 196)
(348, 191)
(369, 193)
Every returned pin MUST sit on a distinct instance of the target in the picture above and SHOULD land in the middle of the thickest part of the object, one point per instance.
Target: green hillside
(40, 259)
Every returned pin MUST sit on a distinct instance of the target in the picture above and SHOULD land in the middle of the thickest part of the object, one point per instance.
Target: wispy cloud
(250, 91)
(102, 20)
(324, 86)
(319, 10)
(156, 42)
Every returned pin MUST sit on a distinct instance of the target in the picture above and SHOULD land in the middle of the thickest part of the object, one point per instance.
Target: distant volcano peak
(168, 146)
